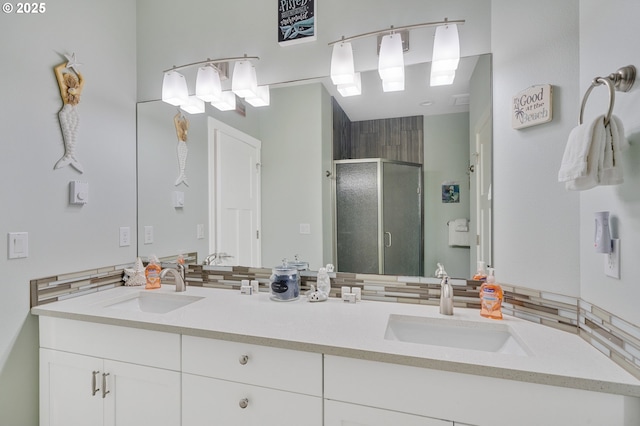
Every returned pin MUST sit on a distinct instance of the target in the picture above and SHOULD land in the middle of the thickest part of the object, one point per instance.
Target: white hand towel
(461, 225)
(611, 173)
(458, 238)
(583, 156)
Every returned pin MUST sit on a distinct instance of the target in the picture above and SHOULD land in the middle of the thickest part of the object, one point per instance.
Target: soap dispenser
(446, 296)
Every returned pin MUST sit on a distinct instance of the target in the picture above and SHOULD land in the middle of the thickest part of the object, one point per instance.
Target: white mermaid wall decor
(70, 83)
(182, 128)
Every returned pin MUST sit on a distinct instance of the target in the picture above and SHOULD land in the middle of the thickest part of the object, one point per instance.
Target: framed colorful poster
(296, 21)
(450, 193)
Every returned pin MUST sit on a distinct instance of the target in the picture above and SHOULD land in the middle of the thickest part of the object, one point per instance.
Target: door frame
(214, 127)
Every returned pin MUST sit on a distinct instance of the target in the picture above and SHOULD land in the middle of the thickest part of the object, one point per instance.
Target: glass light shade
(174, 89)
(244, 82)
(393, 85)
(446, 48)
(208, 85)
(442, 78)
(351, 89)
(262, 99)
(226, 102)
(391, 60)
(195, 105)
(342, 70)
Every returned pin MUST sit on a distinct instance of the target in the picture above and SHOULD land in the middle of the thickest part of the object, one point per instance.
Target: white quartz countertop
(357, 331)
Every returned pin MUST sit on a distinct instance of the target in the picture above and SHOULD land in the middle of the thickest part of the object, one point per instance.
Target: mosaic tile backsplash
(614, 337)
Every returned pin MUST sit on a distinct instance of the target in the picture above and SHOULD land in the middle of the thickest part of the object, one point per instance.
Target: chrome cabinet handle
(243, 359)
(244, 403)
(94, 383)
(389, 235)
(104, 385)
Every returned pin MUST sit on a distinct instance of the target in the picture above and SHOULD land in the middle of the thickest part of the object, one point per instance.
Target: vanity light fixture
(391, 61)
(209, 87)
(244, 82)
(446, 55)
(174, 89)
(342, 69)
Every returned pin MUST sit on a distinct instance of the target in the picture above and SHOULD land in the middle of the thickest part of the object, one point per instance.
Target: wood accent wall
(400, 139)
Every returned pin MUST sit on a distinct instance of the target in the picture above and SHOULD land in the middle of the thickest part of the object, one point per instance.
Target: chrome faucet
(178, 276)
(446, 296)
(215, 258)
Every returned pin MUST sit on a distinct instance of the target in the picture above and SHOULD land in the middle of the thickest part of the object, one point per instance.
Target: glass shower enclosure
(378, 211)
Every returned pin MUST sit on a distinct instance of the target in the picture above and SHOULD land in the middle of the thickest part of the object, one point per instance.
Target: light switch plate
(305, 228)
(200, 231)
(18, 245)
(612, 260)
(125, 236)
(148, 234)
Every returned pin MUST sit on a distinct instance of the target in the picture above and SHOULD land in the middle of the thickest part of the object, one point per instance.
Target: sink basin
(156, 303)
(478, 336)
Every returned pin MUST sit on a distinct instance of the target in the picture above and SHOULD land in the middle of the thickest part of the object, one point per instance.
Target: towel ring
(622, 81)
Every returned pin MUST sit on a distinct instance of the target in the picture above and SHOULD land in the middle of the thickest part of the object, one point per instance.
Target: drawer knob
(243, 359)
(244, 402)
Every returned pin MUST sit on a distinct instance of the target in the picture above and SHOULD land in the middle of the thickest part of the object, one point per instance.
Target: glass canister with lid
(285, 283)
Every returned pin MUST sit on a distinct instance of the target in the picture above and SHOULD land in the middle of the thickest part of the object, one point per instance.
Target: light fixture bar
(396, 29)
(214, 61)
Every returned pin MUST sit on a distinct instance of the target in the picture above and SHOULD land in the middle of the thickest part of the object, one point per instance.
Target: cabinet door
(344, 414)
(140, 395)
(210, 402)
(67, 396)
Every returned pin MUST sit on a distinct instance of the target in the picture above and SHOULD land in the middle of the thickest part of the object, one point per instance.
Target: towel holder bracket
(622, 81)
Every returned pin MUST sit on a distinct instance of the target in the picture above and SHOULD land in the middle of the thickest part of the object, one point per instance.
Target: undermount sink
(156, 303)
(479, 336)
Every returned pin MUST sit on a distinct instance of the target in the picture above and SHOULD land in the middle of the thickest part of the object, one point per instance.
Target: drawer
(343, 414)
(275, 368)
(127, 344)
(207, 401)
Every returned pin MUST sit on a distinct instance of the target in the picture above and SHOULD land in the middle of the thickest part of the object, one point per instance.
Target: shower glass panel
(378, 217)
(357, 217)
(402, 224)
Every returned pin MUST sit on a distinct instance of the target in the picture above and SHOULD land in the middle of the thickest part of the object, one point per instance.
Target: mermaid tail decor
(69, 121)
(183, 150)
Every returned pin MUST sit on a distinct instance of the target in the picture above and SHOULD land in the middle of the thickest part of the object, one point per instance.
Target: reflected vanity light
(351, 89)
(226, 102)
(391, 63)
(262, 97)
(194, 105)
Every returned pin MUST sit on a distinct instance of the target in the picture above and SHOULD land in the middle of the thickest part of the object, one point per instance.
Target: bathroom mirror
(455, 118)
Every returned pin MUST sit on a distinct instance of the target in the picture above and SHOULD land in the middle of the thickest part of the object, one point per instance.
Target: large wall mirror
(297, 172)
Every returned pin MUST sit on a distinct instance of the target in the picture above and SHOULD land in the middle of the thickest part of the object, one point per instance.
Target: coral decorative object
(182, 128)
(135, 276)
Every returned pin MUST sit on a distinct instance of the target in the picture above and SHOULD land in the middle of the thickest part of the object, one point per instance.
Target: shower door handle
(388, 234)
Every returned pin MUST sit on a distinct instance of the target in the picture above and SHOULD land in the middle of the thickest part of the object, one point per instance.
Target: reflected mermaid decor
(182, 128)
(70, 82)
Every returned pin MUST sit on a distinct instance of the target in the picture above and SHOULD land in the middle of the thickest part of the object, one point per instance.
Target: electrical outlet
(612, 260)
(125, 236)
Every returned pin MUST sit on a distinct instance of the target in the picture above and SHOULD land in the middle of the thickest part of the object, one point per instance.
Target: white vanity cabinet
(231, 383)
(96, 374)
(344, 414)
(465, 398)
